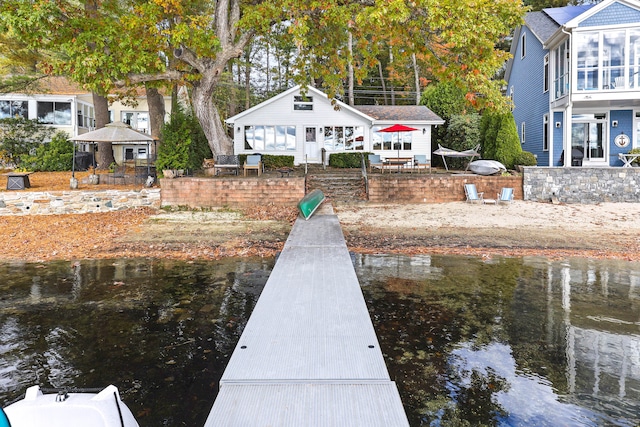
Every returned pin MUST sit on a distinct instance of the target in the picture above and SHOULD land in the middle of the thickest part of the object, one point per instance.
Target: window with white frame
(545, 132)
(137, 120)
(347, 138)
(607, 59)
(10, 109)
(54, 113)
(270, 138)
(636, 143)
(511, 90)
(303, 103)
(561, 57)
(523, 45)
(545, 77)
(391, 140)
(522, 132)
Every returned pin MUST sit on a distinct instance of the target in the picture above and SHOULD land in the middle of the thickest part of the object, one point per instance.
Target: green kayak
(310, 203)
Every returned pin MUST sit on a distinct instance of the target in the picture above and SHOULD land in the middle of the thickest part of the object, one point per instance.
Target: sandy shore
(608, 230)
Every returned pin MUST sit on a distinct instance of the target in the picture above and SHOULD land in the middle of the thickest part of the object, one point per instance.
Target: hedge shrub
(347, 160)
(526, 158)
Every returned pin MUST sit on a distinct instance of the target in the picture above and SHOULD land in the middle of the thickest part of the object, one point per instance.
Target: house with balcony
(574, 78)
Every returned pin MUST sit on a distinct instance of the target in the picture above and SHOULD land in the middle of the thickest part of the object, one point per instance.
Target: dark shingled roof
(399, 112)
(541, 25)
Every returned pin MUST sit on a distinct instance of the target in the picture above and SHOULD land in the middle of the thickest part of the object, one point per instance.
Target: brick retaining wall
(212, 192)
(582, 185)
(436, 188)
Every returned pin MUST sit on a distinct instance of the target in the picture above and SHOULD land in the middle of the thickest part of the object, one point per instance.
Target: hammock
(448, 152)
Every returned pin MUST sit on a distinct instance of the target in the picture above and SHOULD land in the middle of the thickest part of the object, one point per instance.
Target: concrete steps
(345, 186)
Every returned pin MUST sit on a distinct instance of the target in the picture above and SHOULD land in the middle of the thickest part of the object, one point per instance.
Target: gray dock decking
(309, 355)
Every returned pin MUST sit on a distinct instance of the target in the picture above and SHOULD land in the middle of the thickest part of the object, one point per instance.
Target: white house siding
(280, 112)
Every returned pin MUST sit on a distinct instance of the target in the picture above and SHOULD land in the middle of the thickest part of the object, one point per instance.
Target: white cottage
(303, 125)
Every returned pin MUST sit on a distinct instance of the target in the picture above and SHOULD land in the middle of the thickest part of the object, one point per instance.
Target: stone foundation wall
(390, 188)
(65, 202)
(212, 192)
(582, 185)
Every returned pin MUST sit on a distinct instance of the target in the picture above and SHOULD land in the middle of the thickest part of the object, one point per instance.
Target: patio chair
(473, 196)
(505, 195)
(420, 162)
(375, 162)
(253, 162)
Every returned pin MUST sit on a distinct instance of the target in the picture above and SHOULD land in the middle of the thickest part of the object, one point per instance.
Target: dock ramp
(309, 355)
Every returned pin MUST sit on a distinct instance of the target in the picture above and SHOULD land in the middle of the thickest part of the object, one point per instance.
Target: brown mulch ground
(262, 232)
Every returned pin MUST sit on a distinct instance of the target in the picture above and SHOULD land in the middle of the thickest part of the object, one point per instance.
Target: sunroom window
(270, 138)
(10, 109)
(608, 59)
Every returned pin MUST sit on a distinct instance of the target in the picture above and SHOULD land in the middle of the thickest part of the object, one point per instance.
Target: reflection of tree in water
(473, 399)
(418, 324)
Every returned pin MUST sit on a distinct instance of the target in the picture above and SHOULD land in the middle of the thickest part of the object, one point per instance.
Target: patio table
(628, 158)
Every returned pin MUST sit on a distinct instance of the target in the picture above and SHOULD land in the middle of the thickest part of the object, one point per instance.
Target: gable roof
(412, 113)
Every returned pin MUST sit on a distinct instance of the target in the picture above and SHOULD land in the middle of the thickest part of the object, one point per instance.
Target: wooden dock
(309, 355)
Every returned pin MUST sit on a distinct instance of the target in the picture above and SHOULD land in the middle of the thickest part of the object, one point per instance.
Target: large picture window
(391, 140)
(561, 70)
(607, 60)
(54, 113)
(10, 109)
(343, 138)
(270, 138)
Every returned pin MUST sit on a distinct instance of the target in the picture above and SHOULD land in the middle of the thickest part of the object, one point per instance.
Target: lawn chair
(375, 162)
(420, 161)
(505, 195)
(473, 196)
(253, 162)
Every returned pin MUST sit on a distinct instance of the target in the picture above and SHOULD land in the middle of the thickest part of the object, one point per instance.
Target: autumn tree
(192, 41)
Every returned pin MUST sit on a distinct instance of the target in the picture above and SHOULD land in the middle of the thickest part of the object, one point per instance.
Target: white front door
(311, 144)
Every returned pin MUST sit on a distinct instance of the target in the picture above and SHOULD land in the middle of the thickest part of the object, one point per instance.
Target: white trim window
(545, 84)
(54, 113)
(302, 103)
(9, 109)
(270, 138)
(347, 138)
(560, 57)
(636, 133)
(522, 132)
(138, 120)
(545, 132)
(523, 46)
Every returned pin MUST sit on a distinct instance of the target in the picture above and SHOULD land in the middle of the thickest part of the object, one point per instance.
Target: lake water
(469, 341)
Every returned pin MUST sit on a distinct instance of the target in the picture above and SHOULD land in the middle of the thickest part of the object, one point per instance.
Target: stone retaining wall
(582, 185)
(64, 202)
(232, 191)
(436, 188)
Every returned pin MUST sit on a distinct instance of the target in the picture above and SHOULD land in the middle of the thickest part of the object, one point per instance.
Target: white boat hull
(486, 167)
(103, 409)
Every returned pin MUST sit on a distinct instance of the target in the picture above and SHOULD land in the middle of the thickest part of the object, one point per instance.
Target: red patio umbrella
(398, 128)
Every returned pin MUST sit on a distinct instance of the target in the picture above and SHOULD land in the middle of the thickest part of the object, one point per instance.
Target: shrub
(346, 160)
(56, 155)
(20, 137)
(183, 143)
(463, 134)
(275, 162)
(526, 158)
(500, 140)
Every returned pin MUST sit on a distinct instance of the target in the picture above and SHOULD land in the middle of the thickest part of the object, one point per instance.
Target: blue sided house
(574, 79)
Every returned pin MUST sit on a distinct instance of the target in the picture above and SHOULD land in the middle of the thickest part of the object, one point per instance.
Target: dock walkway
(309, 355)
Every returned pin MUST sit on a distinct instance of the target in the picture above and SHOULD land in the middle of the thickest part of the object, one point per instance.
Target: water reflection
(469, 341)
(509, 342)
(161, 331)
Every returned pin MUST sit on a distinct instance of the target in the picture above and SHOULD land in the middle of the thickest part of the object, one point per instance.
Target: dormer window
(302, 103)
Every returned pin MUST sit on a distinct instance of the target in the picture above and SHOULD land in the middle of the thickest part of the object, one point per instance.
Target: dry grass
(59, 181)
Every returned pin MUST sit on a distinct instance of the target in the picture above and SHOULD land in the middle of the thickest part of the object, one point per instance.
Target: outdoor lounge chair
(420, 161)
(505, 195)
(473, 196)
(253, 162)
(375, 162)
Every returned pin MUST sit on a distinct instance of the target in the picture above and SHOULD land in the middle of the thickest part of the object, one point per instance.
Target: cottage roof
(405, 113)
(541, 25)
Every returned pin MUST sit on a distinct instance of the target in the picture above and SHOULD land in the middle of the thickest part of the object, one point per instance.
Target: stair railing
(364, 174)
